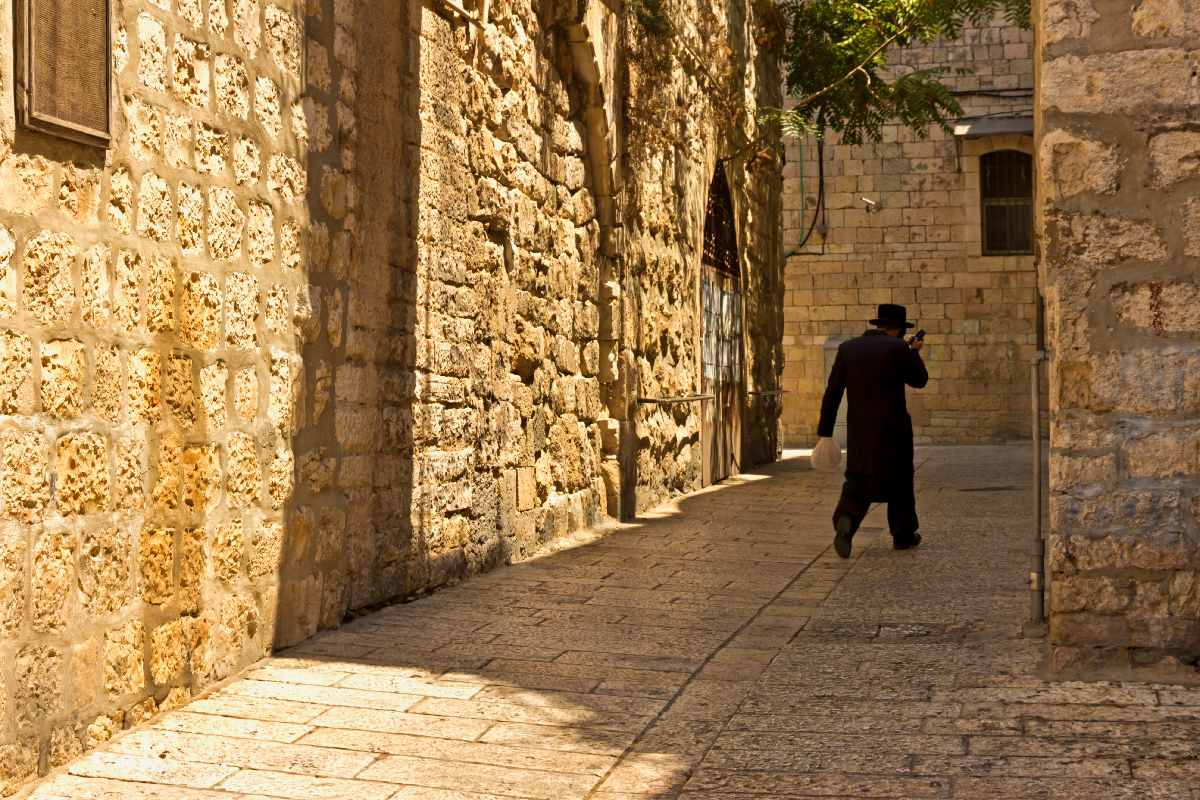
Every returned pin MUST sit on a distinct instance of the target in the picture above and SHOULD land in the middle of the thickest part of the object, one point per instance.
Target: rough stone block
(53, 578)
(47, 292)
(200, 310)
(95, 279)
(156, 564)
(213, 382)
(244, 472)
(227, 548)
(1074, 165)
(166, 488)
(154, 208)
(130, 490)
(201, 478)
(268, 550)
(82, 462)
(168, 653)
(12, 583)
(24, 481)
(39, 684)
(16, 373)
(226, 221)
(108, 386)
(266, 104)
(162, 278)
(104, 570)
(241, 310)
(63, 367)
(192, 72)
(232, 86)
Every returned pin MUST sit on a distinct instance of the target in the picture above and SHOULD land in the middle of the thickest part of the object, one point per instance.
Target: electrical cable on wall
(819, 208)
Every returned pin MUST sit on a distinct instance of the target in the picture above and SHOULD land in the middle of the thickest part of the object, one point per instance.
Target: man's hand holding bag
(826, 456)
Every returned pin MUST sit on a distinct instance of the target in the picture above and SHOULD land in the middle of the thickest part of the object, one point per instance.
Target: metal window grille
(64, 82)
(1007, 203)
(720, 233)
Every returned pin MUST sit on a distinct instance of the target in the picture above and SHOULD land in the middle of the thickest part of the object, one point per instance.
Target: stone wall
(1121, 224)
(664, 229)
(152, 307)
(346, 312)
(919, 246)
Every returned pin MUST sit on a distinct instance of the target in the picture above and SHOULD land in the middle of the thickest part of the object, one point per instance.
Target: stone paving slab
(715, 650)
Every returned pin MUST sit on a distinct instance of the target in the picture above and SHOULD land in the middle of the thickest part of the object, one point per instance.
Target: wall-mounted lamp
(872, 205)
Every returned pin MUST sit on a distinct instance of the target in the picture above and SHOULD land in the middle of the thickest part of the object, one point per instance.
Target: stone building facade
(901, 222)
(1120, 218)
(355, 303)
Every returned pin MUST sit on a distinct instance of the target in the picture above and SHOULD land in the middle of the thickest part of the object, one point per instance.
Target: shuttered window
(63, 68)
(1007, 203)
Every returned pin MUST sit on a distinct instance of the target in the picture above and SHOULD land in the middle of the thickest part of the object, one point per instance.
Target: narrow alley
(716, 649)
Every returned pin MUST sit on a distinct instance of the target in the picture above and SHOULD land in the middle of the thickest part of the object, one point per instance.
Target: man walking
(872, 371)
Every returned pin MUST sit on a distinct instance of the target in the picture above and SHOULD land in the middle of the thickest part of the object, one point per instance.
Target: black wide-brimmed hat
(893, 315)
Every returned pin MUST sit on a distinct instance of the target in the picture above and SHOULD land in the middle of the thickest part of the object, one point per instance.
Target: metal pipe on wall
(1037, 549)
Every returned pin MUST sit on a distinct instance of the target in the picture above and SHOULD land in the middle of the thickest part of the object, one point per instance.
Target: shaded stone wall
(664, 229)
(152, 306)
(1121, 233)
(922, 248)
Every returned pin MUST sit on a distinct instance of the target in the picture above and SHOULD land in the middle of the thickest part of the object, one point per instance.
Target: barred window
(63, 69)
(1007, 203)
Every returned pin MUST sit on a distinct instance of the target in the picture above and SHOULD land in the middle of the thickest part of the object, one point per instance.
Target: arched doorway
(721, 343)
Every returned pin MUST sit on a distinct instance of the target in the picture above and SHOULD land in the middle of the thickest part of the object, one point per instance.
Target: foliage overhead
(839, 63)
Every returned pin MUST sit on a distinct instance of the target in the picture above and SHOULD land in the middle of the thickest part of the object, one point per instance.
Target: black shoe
(841, 542)
(908, 543)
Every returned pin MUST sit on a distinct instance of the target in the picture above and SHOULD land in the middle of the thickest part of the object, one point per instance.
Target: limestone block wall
(663, 229)
(153, 300)
(344, 313)
(921, 247)
(1121, 224)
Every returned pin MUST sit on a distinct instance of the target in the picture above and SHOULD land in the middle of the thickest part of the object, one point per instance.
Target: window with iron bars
(1006, 201)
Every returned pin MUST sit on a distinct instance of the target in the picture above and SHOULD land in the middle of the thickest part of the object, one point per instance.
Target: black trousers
(901, 500)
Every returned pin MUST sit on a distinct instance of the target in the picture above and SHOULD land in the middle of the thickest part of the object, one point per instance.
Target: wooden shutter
(64, 82)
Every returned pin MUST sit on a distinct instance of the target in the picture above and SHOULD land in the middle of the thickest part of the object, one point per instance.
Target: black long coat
(873, 370)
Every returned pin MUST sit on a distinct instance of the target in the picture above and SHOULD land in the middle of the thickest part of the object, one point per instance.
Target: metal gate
(721, 349)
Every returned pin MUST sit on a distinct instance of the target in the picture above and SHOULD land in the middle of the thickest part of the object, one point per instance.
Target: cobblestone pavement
(715, 650)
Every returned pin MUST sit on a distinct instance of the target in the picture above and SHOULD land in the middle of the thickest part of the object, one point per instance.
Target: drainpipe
(1037, 550)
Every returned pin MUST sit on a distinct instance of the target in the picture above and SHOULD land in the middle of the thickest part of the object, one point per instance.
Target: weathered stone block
(200, 310)
(213, 382)
(192, 72)
(166, 488)
(1089, 630)
(63, 367)
(104, 570)
(1175, 155)
(162, 278)
(1107, 595)
(168, 653)
(24, 481)
(82, 462)
(244, 473)
(12, 583)
(1074, 165)
(130, 489)
(39, 684)
(48, 294)
(268, 550)
(145, 386)
(154, 208)
(108, 386)
(156, 564)
(241, 310)
(201, 478)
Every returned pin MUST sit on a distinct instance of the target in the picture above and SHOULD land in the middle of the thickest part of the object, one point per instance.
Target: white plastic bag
(826, 455)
